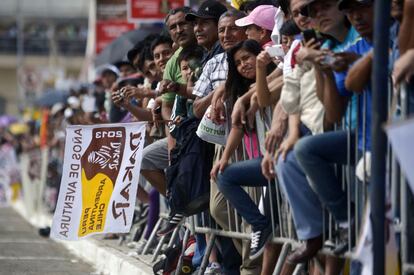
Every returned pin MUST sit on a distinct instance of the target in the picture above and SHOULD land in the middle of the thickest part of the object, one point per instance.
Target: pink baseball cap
(262, 16)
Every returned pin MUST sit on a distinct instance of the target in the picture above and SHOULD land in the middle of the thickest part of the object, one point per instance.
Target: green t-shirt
(172, 72)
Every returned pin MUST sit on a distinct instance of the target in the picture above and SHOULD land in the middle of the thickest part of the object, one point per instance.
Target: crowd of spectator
(302, 66)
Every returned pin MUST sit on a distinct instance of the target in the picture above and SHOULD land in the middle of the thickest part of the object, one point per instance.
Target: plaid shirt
(214, 74)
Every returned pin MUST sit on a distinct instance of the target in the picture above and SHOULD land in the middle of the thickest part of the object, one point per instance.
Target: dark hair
(121, 63)
(183, 9)
(289, 28)
(236, 85)
(146, 54)
(139, 46)
(284, 5)
(161, 39)
(193, 52)
(133, 81)
(233, 13)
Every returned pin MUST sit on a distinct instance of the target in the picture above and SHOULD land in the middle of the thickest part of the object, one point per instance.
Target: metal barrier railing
(280, 213)
(401, 191)
(357, 192)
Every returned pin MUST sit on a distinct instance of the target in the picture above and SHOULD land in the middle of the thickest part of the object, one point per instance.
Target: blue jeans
(411, 99)
(230, 182)
(306, 208)
(200, 249)
(317, 154)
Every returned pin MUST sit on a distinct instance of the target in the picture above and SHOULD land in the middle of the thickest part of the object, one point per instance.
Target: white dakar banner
(99, 180)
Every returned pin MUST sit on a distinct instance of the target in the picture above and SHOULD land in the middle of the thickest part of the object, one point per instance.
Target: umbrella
(6, 120)
(18, 128)
(49, 98)
(118, 48)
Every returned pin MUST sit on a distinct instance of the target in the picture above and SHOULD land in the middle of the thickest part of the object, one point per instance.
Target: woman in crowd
(242, 74)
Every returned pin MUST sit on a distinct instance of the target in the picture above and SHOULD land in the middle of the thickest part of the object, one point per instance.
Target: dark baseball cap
(121, 63)
(132, 53)
(210, 9)
(343, 4)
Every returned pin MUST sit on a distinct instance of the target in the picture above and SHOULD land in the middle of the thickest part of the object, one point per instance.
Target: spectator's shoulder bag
(188, 177)
(211, 132)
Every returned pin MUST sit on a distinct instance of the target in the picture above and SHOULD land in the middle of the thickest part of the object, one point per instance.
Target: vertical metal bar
(203, 220)
(152, 236)
(236, 221)
(324, 225)
(229, 216)
(206, 256)
(404, 222)
(236, 216)
(403, 194)
(318, 265)
(364, 144)
(299, 268)
(192, 224)
(272, 211)
(395, 187)
(331, 224)
(347, 171)
(174, 236)
(158, 249)
(379, 140)
(20, 48)
(281, 260)
(279, 207)
(184, 243)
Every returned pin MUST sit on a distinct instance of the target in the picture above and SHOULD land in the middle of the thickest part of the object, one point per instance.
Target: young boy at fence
(190, 66)
(189, 60)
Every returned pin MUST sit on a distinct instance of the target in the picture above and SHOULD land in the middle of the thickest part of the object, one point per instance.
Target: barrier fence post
(379, 141)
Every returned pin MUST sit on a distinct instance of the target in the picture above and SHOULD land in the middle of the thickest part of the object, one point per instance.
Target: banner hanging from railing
(401, 136)
(99, 180)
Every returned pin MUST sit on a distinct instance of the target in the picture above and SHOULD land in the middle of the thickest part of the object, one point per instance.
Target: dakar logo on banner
(99, 180)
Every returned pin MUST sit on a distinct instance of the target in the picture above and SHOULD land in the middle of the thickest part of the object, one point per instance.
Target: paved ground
(23, 251)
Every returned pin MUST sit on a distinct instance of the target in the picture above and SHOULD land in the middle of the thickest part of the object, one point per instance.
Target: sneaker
(132, 245)
(343, 244)
(140, 246)
(213, 269)
(173, 222)
(44, 232)
(258, 242)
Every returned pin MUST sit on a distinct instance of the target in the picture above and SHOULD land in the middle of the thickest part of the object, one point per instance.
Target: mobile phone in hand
(275, 51)
(309, 34)
(157, 110)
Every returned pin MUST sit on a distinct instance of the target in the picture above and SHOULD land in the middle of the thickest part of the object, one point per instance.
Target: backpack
(188, 176)
(171, 256)
(169, 261)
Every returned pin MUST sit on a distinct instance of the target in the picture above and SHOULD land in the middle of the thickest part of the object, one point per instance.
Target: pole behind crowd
(379, 141)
